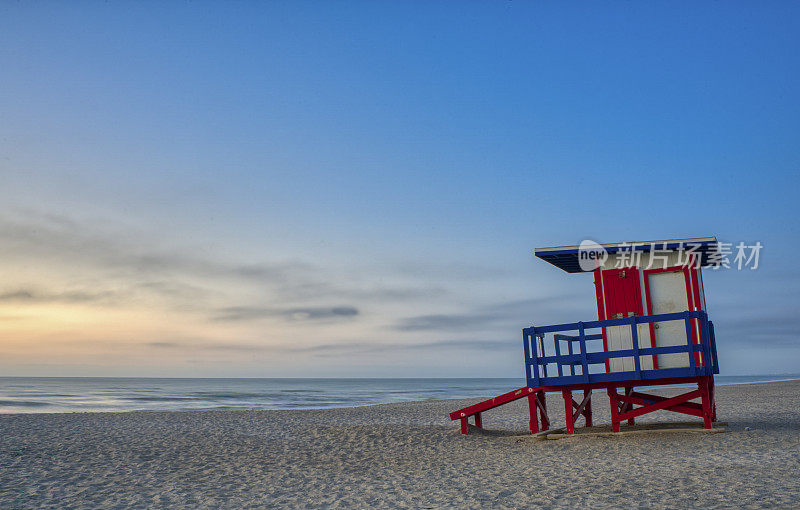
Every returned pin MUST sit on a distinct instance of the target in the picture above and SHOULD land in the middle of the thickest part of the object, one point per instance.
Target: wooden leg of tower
(712, 392)
(545, 419)
(705, 397)
(587, 411)
(464, 426)
(612, 397)
(478, 420)
(567, 394)
(628, 391)
(533, 409)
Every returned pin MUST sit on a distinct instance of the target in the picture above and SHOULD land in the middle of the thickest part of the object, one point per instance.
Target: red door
(622, 293)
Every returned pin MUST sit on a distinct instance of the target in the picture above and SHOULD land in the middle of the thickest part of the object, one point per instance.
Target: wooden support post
(705, 398)
(712, 391)
(567, 394)
(533, 409)
(612, 396)
(628, 391)
(478, 421)
(587, 411)
(542, 404)
(580, 409)
(464, 426)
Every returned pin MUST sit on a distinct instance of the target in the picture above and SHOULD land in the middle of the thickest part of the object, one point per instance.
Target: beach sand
(400, 455)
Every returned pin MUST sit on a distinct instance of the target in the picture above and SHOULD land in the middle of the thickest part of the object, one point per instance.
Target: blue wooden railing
(584, 352)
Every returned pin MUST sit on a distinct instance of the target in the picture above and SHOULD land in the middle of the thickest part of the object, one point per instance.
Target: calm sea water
(79, 394)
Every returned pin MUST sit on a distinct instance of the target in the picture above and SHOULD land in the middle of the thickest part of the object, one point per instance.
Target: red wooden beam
(664, 404)
(689, 408)
(650, 399)
(580, 408)
(613, 396)
(567, 394)
(587, 413)
(541, 403)
(533, 425)
(537, 405)
(704, 387)
(627, 406)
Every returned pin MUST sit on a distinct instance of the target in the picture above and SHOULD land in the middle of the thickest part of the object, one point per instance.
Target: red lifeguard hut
(652, 330)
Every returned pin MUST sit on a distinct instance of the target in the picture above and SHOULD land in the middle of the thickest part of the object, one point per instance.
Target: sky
(355, 189)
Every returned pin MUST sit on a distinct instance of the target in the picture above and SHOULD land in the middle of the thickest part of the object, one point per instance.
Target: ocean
(93, 394)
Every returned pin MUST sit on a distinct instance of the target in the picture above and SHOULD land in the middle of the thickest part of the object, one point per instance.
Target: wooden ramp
(476, 409)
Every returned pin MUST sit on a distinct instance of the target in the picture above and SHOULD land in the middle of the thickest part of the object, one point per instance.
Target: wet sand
(400, 455)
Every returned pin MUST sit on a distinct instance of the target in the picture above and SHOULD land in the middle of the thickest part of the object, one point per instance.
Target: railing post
(571, 363)
(707, 360)
(540, 337)
(637, 363)
(584, 360)
(557, 342)
(690, 341)
(531, 360)
(715, 368)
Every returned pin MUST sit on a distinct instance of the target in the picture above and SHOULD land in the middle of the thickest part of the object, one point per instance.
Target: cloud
(220, 346)
(488, 316)
(452, 345)
(439, 270)
(336, 349)
(243, 313)
(436, 344)
(35, 296)
(17, 295)
(173, 288)
(169, 345)
(443, 322)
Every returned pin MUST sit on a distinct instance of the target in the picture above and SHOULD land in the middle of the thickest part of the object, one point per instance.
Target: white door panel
(668, 295)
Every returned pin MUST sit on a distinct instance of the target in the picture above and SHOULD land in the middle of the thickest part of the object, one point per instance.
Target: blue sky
(356, 188)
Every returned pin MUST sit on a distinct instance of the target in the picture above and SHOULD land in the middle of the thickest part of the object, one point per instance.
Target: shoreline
(312, 408)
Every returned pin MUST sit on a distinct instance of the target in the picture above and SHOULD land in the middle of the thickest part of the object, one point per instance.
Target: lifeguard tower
(652, 330)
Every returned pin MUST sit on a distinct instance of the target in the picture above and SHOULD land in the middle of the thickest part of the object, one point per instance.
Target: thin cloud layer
(137, 266)
(493, 315)
(445, 322)
(244, 313)
(339, 349)
(37, 296)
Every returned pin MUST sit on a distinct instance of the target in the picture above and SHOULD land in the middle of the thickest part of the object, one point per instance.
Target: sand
(399, 455)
